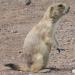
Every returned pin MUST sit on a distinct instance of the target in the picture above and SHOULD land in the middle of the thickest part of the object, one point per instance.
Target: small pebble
(73, 71)
(20, 52)
(28, 2)
(14, 31)
(30, 74)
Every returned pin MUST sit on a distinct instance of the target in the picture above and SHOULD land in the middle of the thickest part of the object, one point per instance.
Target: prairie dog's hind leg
(38, 63)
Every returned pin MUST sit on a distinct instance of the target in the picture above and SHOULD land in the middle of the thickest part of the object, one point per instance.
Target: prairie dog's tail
(17, 67)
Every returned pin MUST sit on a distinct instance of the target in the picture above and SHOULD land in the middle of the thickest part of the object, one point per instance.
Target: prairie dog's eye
(52, 8)
(60, 5)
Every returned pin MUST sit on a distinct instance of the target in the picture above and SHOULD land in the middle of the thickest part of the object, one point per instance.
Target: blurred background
(17, 17)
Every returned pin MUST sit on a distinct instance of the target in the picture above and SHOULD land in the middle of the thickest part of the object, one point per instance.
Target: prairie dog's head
(56, 11)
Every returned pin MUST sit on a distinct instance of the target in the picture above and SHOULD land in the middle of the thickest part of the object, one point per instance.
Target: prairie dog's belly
(36, 35)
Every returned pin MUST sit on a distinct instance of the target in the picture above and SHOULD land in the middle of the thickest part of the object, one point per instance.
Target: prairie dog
(38, 42)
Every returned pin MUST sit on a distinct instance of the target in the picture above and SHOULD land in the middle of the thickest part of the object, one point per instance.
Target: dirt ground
(17, 19)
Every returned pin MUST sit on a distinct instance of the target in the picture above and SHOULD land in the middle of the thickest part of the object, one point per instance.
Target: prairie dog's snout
(67, 8)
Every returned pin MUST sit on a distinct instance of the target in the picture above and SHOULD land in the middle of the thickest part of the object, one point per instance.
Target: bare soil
(17, 19)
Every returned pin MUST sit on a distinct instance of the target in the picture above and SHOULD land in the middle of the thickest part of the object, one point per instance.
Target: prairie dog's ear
(51, 11)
